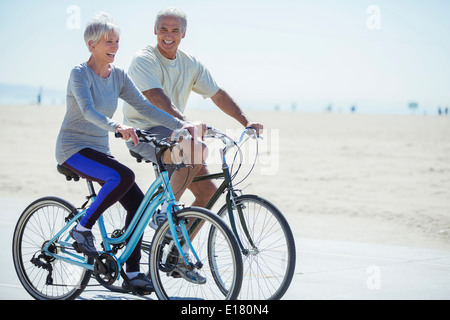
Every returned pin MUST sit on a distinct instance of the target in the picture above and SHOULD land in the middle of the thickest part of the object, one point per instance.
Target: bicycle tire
(270, 231)
(227, 262)
(39, 222)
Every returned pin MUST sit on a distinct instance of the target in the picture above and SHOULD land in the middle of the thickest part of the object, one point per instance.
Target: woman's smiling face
(106, 48)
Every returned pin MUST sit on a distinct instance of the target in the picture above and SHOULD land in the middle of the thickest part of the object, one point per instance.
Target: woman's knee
(126, 176)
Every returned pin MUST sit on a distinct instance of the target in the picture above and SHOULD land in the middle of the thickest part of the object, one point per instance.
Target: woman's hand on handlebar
(128, 133)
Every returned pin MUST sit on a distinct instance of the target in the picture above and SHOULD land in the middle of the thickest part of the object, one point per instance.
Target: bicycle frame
(230, 198)
(152, 199)
(231, 204)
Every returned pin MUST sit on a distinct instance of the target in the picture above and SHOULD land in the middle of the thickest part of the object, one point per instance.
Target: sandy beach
(366, 178)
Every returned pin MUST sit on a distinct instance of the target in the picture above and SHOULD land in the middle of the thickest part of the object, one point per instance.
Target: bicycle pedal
(143, 292)
(75, 246)
(134, 291)
(173, 274)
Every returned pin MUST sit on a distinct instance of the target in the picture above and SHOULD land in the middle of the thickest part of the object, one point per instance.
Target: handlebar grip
(139, 133)
(250, 131)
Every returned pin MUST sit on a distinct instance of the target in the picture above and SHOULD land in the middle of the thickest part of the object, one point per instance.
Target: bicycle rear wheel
(40, 221)
(269, 248)
(223, 263)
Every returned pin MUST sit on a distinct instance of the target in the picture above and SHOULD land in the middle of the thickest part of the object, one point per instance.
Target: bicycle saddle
(68, 173)
(138, 157)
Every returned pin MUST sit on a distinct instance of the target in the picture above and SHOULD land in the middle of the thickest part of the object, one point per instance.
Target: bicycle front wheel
(268, 247)
(218, 276)
(43, 276)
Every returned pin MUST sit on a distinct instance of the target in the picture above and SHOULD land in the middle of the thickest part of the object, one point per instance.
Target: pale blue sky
(264, 53)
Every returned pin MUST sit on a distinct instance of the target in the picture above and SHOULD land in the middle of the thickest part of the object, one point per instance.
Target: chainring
(106, 269)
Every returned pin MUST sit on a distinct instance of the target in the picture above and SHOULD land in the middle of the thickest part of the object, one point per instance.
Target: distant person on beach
(82, 144)
(167, 76)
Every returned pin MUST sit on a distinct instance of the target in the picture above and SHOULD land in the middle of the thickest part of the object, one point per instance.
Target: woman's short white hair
(100, 26)
(172, 12)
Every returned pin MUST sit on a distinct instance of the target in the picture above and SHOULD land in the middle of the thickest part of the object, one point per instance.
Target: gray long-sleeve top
(91, 103)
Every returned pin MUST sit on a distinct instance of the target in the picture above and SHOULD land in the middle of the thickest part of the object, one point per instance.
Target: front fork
(173, 220)
(231, 206)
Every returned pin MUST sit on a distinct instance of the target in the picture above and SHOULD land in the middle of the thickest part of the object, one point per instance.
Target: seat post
(91, 188)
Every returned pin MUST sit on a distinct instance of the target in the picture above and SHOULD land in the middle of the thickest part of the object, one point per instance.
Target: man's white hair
(172, 12)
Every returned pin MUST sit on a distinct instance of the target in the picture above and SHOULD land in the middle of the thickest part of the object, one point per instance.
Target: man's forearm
(223, 100)
(158, 98)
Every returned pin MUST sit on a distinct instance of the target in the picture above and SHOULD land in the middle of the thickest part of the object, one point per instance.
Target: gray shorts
(148, 150)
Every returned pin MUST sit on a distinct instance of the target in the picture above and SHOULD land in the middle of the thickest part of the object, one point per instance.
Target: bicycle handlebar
(228, 141)
(168, 143)
(161, 144)
(145, 136)
(214, 133)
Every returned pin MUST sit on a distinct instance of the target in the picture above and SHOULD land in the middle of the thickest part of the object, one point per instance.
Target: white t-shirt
(149, 69)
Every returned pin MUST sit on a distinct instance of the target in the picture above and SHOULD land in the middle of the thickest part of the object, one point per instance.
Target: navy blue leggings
(117, 183)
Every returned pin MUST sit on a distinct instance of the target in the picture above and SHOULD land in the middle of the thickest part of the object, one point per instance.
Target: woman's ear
(91, 45)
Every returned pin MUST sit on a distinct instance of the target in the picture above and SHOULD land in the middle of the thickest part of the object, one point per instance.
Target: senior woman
(82, 144)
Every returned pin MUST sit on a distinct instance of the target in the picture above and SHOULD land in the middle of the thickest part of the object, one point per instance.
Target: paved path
(326, 269)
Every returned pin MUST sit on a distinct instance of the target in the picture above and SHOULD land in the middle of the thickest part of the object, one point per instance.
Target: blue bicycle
(49, 267)
(262, 232)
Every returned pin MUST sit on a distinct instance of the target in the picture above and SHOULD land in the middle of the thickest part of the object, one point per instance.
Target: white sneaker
(159, 217)
(84, 242)
(189, 275)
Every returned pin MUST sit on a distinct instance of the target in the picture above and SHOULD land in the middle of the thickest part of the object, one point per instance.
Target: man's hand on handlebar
(257, 126)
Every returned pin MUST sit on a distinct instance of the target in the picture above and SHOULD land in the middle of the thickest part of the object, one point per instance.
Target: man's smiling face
(169, 33)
